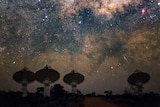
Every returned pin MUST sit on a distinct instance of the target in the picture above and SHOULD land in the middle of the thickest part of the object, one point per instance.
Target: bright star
(80, 22)
(143, 10)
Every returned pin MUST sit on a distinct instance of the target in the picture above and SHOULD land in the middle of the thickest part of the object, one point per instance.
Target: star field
(105, 40)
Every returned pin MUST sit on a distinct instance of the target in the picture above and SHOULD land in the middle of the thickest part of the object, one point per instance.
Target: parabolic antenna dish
(73, 77)
(24, 74)
(47, 74)
(138, 77)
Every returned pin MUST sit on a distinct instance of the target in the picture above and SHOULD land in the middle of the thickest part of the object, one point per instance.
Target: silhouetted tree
(108, 93)
(58, 91)
(40, 91)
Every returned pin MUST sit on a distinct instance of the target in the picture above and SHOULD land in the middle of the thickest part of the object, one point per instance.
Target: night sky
(105, 40)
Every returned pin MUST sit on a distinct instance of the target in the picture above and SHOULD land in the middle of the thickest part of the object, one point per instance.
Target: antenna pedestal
(74, 85)
(24, 88)
(46, 88)
(139, 88)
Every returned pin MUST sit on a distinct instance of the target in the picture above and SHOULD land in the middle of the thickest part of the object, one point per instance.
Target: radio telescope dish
(138, 76)
(137, 80)
(73, 79)
(24, 77)
(47, 76)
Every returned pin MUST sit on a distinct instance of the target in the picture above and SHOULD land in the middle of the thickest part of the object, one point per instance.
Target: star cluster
(106, 40)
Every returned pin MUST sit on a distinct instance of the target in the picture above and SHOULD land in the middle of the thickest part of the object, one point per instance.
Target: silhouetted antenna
(73, 79)
(24, 77)
(47, 76)
(138, 79)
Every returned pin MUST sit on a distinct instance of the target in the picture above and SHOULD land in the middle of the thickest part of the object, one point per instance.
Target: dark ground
(62, 98)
